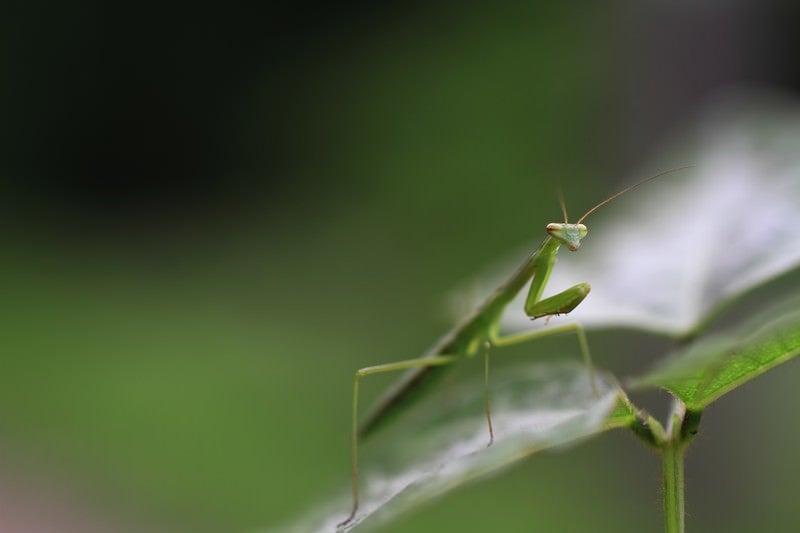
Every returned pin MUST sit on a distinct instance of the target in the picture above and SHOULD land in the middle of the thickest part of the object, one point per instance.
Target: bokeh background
(213, 214)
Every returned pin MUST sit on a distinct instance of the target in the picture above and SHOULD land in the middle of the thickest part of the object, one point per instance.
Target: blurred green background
(212, 215)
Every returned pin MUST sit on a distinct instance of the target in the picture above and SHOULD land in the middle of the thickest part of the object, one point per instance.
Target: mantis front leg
(558, 304)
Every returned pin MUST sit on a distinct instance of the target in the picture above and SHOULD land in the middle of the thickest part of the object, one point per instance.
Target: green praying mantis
(480, 330)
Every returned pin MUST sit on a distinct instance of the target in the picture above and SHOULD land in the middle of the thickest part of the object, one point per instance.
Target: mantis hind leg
(422, 362)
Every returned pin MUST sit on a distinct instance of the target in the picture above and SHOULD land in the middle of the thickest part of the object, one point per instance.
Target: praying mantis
(480, 330)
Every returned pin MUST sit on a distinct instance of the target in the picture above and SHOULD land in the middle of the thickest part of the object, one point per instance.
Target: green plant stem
(672, 457)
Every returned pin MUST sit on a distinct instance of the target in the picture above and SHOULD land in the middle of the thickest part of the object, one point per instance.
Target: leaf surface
(714, 366)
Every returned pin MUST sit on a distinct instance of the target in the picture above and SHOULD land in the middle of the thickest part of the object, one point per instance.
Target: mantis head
(569, 234)
(566, 233)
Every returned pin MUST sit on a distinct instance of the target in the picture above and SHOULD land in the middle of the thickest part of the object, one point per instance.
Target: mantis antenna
(563, 204)
(628, 189)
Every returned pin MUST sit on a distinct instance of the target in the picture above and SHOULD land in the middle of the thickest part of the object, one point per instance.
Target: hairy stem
(672, 457)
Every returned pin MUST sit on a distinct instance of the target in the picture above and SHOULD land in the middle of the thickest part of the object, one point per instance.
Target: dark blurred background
(213, 214)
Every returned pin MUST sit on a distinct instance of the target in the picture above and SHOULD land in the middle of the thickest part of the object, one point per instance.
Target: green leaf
(714, 366)
(534, 408)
